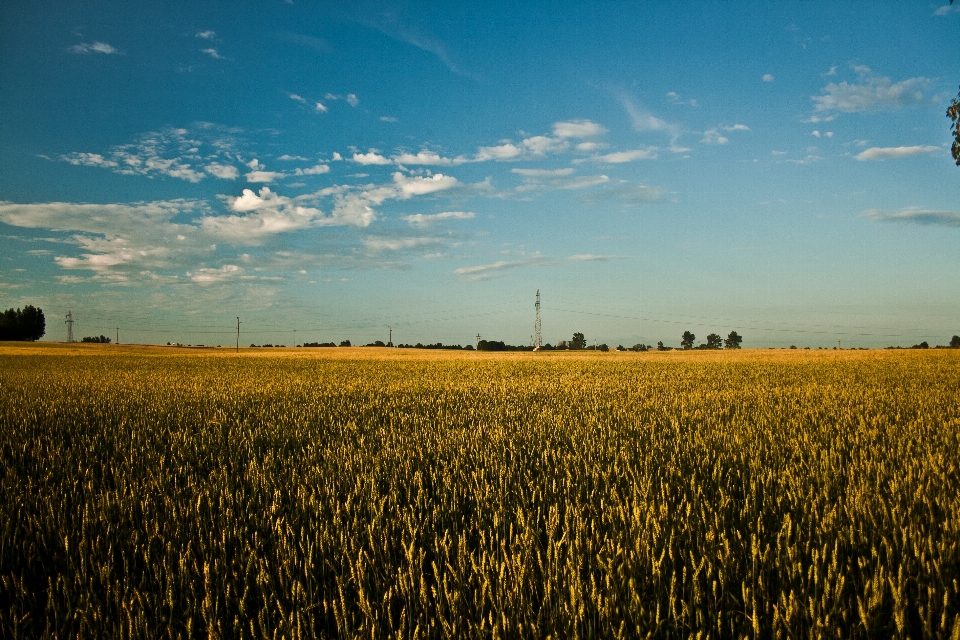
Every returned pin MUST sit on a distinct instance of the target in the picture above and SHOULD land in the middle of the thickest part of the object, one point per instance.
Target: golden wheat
(375, 494)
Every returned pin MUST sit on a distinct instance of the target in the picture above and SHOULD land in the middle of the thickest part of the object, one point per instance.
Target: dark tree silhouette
(686, 340)
(953, 112)
(733, 340)
(22, 324)
(714, 341)
(578, 341)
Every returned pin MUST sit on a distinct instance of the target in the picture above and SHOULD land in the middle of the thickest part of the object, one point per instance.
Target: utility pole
(537, 336)
(118, 335)
(238, 334)
(69, 323)
(390, 339)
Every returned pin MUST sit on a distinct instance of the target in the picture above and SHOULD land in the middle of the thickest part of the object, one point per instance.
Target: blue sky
(778, 169)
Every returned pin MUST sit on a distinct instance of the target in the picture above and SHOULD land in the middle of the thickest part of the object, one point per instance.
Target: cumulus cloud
(371, 158)
(320, 108)
(418, 185)
(916, 216)
(206, 35)
(425, 157)
(313, 171)
(888, 153)
(505, 151)
(872, 93)
(425, 220)
(352, 100)
(264, 176)
(93, 47)
(212, 53)
(767, 77)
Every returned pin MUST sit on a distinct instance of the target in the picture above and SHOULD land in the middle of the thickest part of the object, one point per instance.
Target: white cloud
(541, 145)
(299, 99)
(712, 136)
(171, 153)
(388, 119)
(425, 220)
(916, 216)
(506, 151)
(887, 153)
(767, 77)
(831, 72)
(425, 157)
(874, 93)
(313, 171)
(320, 108)
(264, 176)
(88, 159)
(222, 171)
(543, 173)
(577, 129)
(207, 35)
(352, 100)
(590, 146)
(289, 157)
(815, 134)
(416, 186)
(93, 47)
(371, 158)
(737, 127)
(619, 157)
(947, 9)
(212, 53)
(209, 275)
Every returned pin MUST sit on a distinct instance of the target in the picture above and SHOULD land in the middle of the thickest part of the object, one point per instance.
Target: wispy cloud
(425, 220)
(577, 129)
(494, 269)
(675, 98)
(768, 77)
(620, 157)
(212, 53)
(627, 195)
(643, 120)
(888, 153)
(176, 153)
(206, 35)
(93, 47)
(932, 217)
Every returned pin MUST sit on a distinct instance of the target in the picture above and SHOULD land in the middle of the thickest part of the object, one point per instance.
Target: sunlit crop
(360, 494)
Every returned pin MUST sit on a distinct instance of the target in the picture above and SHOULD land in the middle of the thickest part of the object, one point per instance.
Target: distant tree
(953, 112)
(660, 346)
(603, 347)
(345, 343)
(642, 347)
(578, 341)
(714, 341)
(686, 340)
(955, 342)
(733, 340)
(101, 339)
(562, 344)
(22, 324)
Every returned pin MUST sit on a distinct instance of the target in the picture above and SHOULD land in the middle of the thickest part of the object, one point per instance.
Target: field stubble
(365, 493)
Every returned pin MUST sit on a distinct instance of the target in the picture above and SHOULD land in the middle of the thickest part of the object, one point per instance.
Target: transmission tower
(69, 323)
(537, 338)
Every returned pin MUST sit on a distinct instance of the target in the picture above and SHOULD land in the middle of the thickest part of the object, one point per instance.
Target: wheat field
(372, 493)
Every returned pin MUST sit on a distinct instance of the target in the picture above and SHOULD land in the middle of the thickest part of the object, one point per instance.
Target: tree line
(27, 324)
